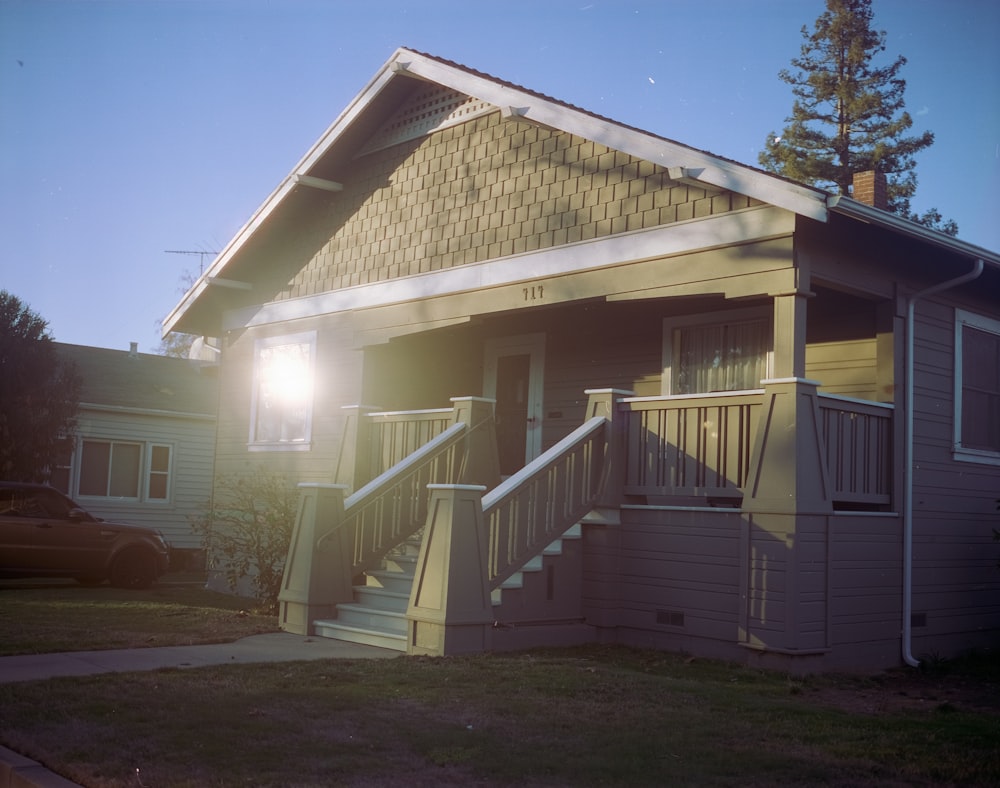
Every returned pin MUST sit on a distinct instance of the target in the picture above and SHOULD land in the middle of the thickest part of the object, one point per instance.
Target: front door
(513, 377)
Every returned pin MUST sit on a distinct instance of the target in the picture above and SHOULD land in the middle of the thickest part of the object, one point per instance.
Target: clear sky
(133, 127)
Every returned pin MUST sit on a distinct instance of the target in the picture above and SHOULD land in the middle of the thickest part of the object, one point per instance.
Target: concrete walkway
(16, 770)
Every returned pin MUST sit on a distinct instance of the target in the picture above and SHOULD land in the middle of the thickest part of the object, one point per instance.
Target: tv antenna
(201, 256)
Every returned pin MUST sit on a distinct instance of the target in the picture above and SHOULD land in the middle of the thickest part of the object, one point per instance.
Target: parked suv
(45, 534)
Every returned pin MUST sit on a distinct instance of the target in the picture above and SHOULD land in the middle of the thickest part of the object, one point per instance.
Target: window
(730, 353)
(120, 469)
(281, 411)
(977, 388)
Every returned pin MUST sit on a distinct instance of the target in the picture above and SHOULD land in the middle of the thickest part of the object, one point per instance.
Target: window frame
(145, 470)
(988, 325)
(302, 338)
(672, 323)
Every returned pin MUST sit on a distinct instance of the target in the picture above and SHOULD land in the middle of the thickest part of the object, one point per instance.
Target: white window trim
(145, 469)
(960, 452)
(707, 319)
(305, 337)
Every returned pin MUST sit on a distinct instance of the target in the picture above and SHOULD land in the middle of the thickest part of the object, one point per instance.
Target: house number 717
(534, 293)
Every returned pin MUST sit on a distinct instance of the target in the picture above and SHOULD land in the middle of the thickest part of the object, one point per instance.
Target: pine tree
(848, 115)
(39, 394)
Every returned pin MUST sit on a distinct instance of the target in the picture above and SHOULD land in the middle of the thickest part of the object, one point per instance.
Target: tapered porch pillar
(450, 608)
(318, 568)
(787, 509)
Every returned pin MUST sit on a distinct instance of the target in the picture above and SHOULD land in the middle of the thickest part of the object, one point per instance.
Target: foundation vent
(428, 109)
(671, 618)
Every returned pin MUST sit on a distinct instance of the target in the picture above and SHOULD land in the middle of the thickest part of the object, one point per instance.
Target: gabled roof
(372, 110)
(132, 382)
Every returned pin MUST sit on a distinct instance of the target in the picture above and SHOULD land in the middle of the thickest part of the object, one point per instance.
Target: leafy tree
(848, 115)
(247, 530)
(39, 394)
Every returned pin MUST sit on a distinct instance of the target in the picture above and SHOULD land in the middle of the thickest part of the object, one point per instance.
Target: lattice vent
(427, 110)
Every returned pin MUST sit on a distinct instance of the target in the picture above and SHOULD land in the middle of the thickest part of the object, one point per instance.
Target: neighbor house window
(731, 352)
(977, 388)
(281, 412)
(122, 469)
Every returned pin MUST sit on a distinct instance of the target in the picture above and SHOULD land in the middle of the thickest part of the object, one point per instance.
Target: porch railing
(698, 448)
(691, 446)
(857, 437)
(541, 501)
(395, 435)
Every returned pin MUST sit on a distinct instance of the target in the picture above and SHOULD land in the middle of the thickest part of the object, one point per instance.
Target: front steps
(377, 616)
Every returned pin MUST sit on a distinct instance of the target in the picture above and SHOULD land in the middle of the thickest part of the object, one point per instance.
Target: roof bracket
(317, 183)
(520, 114)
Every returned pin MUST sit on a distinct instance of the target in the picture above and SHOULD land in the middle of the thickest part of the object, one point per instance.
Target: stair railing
(545, 498)
(393, 505)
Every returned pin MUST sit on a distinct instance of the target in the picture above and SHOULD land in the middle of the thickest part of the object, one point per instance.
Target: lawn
(588, 716)
(44, 616)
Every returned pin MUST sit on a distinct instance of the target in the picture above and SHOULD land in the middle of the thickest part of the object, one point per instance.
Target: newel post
(481, 461)
(450, 609)
(604, 402)
(318, 568)
(354, 460)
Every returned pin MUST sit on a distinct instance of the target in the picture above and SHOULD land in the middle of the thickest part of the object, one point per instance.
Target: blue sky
(128, 128)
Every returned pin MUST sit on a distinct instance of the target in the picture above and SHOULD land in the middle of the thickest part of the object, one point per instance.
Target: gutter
(911, 303)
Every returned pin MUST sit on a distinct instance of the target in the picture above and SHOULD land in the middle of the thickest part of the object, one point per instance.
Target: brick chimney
(870, 188)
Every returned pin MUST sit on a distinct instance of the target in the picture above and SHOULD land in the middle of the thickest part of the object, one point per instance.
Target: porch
(435, 554)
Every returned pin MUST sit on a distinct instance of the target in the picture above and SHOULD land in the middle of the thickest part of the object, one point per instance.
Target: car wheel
(133, 569)
(89, 580)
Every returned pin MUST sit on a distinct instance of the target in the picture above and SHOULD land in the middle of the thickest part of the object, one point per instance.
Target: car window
(34, 503)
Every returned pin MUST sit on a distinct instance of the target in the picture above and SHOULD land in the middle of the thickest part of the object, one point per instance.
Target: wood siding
(487, 189)
(192, 442)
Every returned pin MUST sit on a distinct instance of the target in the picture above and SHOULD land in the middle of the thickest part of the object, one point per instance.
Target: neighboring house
(732, 414)
(143, 448)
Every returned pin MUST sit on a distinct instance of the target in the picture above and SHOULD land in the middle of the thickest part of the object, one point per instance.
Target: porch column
(450, 609)
(481, 463)
(318, 569)
(787, 507)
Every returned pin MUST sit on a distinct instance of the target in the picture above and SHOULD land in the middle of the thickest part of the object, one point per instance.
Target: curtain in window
(720, 357)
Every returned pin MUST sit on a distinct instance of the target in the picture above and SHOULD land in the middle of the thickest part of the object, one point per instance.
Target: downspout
(911, 303)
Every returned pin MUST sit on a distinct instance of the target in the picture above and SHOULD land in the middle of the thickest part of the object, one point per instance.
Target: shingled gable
(376, 112)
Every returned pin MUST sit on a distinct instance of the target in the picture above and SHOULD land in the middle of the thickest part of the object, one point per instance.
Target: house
(143, 447)
(622, 389)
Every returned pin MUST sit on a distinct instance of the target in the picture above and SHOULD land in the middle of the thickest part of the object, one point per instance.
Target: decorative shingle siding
(487, 189)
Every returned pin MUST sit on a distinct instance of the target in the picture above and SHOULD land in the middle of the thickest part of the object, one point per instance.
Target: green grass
(38, 617)
(591, 716)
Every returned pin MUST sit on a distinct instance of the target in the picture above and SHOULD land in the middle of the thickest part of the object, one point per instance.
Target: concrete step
(337, 630)
(367, 617)
(399, 582)
(381, 598)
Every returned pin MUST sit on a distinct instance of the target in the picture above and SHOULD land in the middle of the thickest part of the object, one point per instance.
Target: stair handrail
(393, 505)
(581, 456)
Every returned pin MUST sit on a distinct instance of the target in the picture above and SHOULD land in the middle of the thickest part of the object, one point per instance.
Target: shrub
(247, 529)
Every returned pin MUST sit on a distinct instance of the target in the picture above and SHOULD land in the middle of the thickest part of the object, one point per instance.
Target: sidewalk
(270, 647)
(16, 770)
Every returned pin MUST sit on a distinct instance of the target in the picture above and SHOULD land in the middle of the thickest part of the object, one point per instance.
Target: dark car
(45, 534)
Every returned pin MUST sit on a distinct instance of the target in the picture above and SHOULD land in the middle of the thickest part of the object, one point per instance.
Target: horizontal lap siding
(193, 443)
(865, 581)
(672, 563)
(847, 368)
(955, 579)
